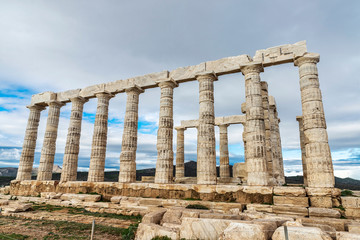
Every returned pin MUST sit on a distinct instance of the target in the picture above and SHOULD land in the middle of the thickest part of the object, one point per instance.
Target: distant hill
(8, 174)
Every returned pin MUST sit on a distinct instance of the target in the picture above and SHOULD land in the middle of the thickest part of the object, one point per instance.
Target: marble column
(70, 161)
(49, 146)
(206, 158)
(29, 145)
(180, 155)
(302, 146)
(278, 166)
(224, 151)
(165, 157)
(256, 164)
(269, 149)
(99, 140)
(320, 172)
(129, 138)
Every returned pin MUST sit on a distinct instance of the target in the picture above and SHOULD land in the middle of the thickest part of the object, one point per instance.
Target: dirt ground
(48, 222)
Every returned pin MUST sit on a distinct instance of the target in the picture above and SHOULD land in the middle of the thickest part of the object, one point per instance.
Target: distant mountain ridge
(8, 174)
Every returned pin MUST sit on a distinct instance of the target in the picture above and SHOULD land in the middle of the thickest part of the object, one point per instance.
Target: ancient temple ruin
(262, 143)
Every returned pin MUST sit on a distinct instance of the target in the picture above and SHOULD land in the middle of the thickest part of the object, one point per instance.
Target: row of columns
(258, 131)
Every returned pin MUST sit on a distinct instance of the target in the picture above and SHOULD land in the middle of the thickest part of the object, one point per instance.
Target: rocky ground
(42, 221)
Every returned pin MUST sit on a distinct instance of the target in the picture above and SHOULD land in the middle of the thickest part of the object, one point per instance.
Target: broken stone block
(172, 216)
(4, 202)
(338, 224)
(16, 207)
(237, 230)
(290, 191)
(50, 195)
(260, 207)
(292, 201)
(115, 199)
(147, 231)
(347, 236)
(291, 210)
(354, 228)
(220, 216)
(154, 217)
(323, 192)
(321, 202)
(350, 202)
(324, 212)
(352, 212)
(303, 233)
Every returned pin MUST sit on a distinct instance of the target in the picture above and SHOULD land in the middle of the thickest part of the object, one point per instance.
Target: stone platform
(223, 193)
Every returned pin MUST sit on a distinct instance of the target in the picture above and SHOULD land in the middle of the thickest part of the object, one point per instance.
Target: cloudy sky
(61, 45)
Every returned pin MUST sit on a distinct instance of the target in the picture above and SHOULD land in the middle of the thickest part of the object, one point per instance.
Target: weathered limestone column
(302, 146)
(206, 158)
(180, 155)
(269, 149)
(165, 158)
(70, 162)
(49, 146)
(224, 151)
(29, 145)
(99, 141)
(256, 164)
(319, 165)
(278, 166)
(129, 139)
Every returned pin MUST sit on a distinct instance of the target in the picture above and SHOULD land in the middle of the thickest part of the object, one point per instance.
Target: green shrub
(346, 192)
(197, 206)
(161, 238)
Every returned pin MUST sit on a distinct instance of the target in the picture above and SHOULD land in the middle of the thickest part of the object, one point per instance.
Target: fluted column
(320, 172)
(29, 145)
(302, 146)
(165, 157)
(256, 164)
(49, 146)
(129, 138)
(206, 158)
(70, 161)
(99, 140)
(180, 155)
(277, 166)
(269, 149)
(224, 151)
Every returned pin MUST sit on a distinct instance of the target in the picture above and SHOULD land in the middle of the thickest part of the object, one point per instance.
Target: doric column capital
(252, 68)
(55, 103)
(307, 58)
(36, 107)
(223, 128)
(167, 83)
(79, 100)
(134, 89)
(104, 94)
(206, 75)
(299, 118)
(180, 128)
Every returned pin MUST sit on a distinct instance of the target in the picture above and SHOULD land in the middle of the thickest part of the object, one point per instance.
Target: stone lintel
(66, 96)
(227, 120)
(280, 54)
(42, 98)
(189, 123)
(265, 57)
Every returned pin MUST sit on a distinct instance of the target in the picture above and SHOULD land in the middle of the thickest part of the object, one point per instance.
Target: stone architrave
(49, 146)
(256, 164)
(99, 141)
(165, 158)
(28, 150)
(70, 161)
(224, 151)
(269, 149)
(320, 172)
(278, 166)
(302, 146)
(180, 156)
(206, 158)
(129, 139)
